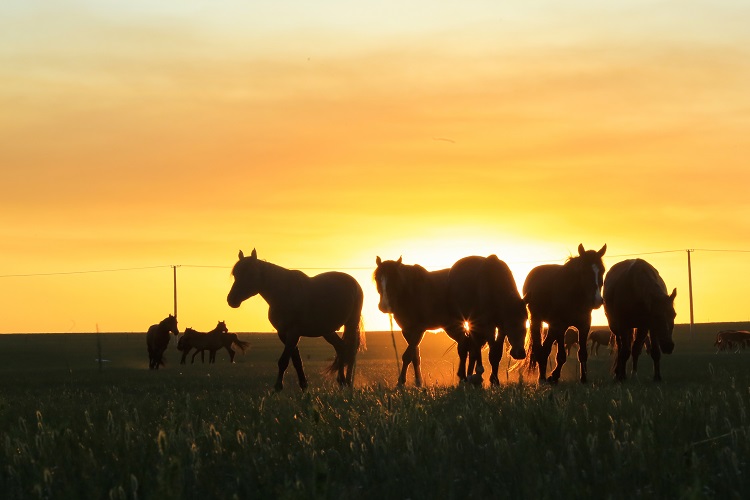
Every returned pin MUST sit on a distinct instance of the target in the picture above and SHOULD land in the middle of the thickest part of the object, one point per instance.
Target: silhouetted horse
(599, 338)
(418, 300)
(563, 296)
(303, 306)
(635, 297)
(485, 296)
(477, 292)
(212, 341)
(157, 340)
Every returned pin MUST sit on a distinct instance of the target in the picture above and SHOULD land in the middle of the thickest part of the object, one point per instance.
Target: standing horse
(212, 341)
(635, 297)
(304, 306)
(563, 296)
(484, 294)
(157, 340)
(418, 300)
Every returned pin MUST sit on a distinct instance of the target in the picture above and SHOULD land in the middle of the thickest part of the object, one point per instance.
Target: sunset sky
(138, 135)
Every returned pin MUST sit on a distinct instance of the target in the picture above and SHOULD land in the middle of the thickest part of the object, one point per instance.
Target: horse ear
(241, 255)
(602, 250)
(399, 259)
(673, 295)
(377, 260)
(254, 254)
(581, 251)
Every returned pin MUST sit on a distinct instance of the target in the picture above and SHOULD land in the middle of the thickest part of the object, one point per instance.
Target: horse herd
(476, 302)
(157, 340)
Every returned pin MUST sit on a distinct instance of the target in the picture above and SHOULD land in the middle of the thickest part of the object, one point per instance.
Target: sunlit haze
(135, 136)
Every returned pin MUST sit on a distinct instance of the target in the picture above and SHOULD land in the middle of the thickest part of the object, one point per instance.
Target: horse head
(388, 279)
(664, 316)
(170, 323)
(591, 274)
(246, 284)
(221, 327)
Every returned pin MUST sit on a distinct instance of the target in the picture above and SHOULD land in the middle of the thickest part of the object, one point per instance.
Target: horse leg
(290, 343)
(624, 342)
(413, 338)
(184, 355)
(640, 337)
(231, 353)
(656, 356)
(192, 360)
(462, 347)
(496, 354)
(583, 354)
(338, 346)
(297, 363)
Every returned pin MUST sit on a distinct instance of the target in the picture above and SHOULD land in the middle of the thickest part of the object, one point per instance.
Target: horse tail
(243, 345)
(352, 340)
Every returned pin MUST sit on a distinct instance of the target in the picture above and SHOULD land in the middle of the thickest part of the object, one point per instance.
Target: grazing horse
(636, 298)
(484, 293)
(157, 340)
(599, 338)
(563, 296)
(304, 306)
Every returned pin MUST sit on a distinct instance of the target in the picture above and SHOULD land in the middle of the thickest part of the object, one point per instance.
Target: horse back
(633, 288)
(323, 303)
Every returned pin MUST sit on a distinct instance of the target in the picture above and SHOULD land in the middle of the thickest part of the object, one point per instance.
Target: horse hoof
(494, 381)
(552, 380)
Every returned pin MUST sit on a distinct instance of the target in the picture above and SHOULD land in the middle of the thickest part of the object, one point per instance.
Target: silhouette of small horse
(563, 296)
(157, 340)
(635, 297)
(304, 306)
(212, 341)
(599, 338)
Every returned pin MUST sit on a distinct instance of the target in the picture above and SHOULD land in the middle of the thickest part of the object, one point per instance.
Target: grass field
(76, 428)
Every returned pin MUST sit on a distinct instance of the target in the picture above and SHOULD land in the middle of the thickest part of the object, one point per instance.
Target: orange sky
(324, 135)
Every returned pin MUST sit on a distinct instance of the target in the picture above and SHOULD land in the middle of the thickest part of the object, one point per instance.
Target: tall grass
(218, 431)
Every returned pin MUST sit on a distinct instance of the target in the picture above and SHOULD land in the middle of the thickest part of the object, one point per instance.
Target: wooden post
(690, 290)
(174, 274)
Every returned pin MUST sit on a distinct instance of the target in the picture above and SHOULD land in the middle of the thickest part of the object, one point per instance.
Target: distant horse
(484, 294)
(635, 297)
(304, 306)
(157, 340)
(570, 340)
(563, 296)
(212, 341)
(732, 340)
(598, 338)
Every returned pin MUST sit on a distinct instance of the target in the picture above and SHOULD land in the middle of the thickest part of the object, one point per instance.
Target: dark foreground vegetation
(72, 427)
